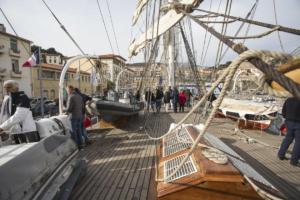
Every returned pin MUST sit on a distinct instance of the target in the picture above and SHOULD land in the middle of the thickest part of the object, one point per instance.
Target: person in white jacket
(16, 116)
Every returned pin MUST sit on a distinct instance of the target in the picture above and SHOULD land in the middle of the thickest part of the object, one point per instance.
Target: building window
(82, 78)
(48, 74)
(72, 75)
(58, 75)
(50, 60)
(55, 60)
(45, 93)
(52, 94)
(14, 45)
(15, 66)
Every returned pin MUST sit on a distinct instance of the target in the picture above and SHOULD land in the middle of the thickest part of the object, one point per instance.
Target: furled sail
(138, 10)
(163, 25)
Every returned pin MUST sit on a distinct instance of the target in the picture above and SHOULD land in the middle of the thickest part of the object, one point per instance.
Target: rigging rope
(250, 13)
(229, 73)
(11, 26)
(284, 81)
(113, 27)
(258, 23)
(203, 56)
(192, 62)
(104, 24)
(276, 21)
(253, 36)
(72, 39)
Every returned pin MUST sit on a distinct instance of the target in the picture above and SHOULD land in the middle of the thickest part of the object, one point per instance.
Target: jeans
(175, 106)
(158, 105)
(77, 130)
(83, 131)
(293, 132)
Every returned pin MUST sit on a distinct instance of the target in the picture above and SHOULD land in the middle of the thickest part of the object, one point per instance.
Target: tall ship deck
(121, 163)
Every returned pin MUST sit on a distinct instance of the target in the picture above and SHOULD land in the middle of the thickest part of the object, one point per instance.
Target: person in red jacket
(182, 100)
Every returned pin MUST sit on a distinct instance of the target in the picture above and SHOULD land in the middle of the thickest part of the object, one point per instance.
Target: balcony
(14, 52)
(2, 48)
(16, 74)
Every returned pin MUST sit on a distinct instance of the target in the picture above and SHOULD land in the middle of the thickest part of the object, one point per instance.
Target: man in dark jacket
(175, 98)
(291, 113)
(74, 108)
(167, 98)
(85, 99)
(159, 96)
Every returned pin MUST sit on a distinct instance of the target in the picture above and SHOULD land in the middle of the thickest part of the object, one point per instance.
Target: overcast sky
(33, 21)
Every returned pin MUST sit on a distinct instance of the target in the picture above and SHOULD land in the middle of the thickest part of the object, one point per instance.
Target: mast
(171, 53)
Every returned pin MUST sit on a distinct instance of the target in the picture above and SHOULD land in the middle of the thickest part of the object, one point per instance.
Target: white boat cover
(244, 107)
(163, 25)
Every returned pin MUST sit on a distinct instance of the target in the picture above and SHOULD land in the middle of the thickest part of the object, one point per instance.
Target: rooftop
(14, 36)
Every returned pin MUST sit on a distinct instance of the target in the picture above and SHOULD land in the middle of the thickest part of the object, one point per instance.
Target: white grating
(171, 165)
(176, 142)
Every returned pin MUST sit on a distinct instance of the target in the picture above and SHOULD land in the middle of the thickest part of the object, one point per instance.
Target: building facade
(51, 72)
(114, 63)
(14, 51)
(155, 75)
(108, 69)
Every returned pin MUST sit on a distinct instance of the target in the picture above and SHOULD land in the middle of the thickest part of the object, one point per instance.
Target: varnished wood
(246, 124)
(211, 181)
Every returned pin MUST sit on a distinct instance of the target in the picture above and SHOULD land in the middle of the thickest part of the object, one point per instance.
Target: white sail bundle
(166, 22)
(138, 10)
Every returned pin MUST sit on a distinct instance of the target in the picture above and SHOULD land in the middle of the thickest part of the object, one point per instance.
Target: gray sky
(33, 21)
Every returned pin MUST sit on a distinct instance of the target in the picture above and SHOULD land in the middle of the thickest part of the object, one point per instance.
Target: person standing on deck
(158, 98)
(182, 100)
(16, 115)
(167, 98)
(175, 98)
(291, 113)
(148, 98)
(74, 108)
(85, 99)
(188, 96)
(137, 96)
(171, 98)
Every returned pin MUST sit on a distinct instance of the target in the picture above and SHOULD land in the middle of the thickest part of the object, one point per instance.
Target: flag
(33, 60)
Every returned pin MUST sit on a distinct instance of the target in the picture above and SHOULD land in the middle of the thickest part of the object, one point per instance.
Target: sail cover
(138, 10)
(166, 22)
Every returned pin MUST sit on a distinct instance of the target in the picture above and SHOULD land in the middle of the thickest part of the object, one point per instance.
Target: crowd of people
(172, 98)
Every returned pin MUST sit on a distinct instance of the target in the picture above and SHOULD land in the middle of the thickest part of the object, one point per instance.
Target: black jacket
(291, 109)
(19, 99)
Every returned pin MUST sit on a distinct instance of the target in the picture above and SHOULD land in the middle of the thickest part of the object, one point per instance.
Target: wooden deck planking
(127, 165)
(133, 175)
(125, 183)
(109, 173)
(92, 170)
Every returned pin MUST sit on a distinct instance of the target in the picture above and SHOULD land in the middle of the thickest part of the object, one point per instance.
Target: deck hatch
(187, 169)
(176, 142)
